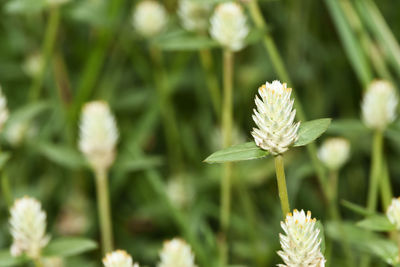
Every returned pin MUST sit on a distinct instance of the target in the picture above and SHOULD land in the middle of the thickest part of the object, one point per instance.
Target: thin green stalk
(47, 50)
(6, 189)
(103, 202)
(376, 170)
(282, 188)
(385, 186)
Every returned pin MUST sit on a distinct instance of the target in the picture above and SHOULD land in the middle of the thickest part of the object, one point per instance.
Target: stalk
(376, 170)
(385, 186)
(6, 190)
(103, 202)
(37, 263)
(282, 188)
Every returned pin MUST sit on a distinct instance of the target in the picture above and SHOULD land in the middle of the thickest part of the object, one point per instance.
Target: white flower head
(274, 118)
(149, 18)
(229, 26)
(53, 262)
(393, 212)
(180, 192)
(98, 135)
(194, 14)
(176, 253)
(379, 105)
(301, 242)
(33, 65)
(3, 109)
(334, 152)
(28, 227)
(118, 258)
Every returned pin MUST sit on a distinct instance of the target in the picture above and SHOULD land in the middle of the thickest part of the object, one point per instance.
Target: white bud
(393, 212)
(3, 110)
(150, 18)
(98, 135)
(176, 253)
(379, 105)
(33, 65)
(28, 227)
(229, 26)
(118, 258)
(334, 152)
(274, 118)
(180, 192)
(194, 14)
(301, 242)
(53, 262)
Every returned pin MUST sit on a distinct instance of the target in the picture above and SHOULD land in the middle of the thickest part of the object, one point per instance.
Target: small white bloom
(176, 253)
(194, 14)
(98, 135)
(28, 227)
(3, 109)
(379, 105)
(150, 18)
(393, 212)
(118, 258)
(301, 242)
(53, 262)
(334, 152)
(274, 118)
(180, 192)
(33, 65)
(229, 26)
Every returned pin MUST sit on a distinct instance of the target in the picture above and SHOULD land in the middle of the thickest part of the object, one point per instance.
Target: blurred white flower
(334, 152)
(274, 118)
(53, 262)
(33, 64)
(194, 14)
(379, 105)
(393, 212)
(301, 242)
(118, 258)
(229, 26)
(3, 109)
(98, 135)
(176, 253)
(180, 192)
(149, 18)
(28, 227)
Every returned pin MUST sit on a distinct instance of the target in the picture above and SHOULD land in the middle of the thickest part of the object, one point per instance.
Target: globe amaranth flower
(28, 227)
(301, 242)
(118, 258)
(149, 18)
(393, 212)
(194, 14)
(274, 118)
(229, 26)
(379, 105)
(176, 253)
(98, 135)
(334, 152)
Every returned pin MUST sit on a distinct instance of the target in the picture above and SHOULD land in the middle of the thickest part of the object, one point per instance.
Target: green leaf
(63, 155)
(68, 246)
(311, 130)
(4, 157)
(185, 41)
(321, 235)
(27, 113)
(348, 127)
(25, 6)
(7, 260)
(246, 151)
(356, 208)
(377, 223)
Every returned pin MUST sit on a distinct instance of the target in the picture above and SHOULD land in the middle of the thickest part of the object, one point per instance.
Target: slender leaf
(377, 223)
(68, 246)
(311, 130)
(246, 151)
(356, 208)
(6, 260)
(63, 155)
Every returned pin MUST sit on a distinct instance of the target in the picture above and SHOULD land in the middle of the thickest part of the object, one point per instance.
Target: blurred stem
(385, 186)
(227, 117)
(47, 50)
(280, 176)
(280, 69)
(167, 111)
(211, 79)
(376, 167)
(103, 202)
(6, 189)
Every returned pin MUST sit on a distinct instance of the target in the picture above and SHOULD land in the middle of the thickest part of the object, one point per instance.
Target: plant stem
(37, 263)
(6, 189)
(385, 186)
(376, 170)
(103, 202)
(282, 188)
(47, 50)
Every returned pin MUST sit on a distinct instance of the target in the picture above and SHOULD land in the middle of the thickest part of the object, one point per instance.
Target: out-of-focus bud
(149, 18)
(180, 192)
(118, 258)
(393, 212)
(194, 14)
(33, 65)
(176, 253)
(334, 152)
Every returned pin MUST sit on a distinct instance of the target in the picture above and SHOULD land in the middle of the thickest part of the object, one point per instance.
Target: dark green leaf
(356, 208)
(4, 156)
(377, 223)
(6, 260)
(63, 155)
(68, 246)
(311, 130)
(186, 42)
(246, 151)
(25, 6)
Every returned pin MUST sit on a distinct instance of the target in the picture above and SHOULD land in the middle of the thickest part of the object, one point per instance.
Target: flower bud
(379, 105)
(33, 64)
(301, 242)
(229, 26)
(393, 212)
(176, 253)
(194, 14)
(28, 228)
(98, 135)
(274, 118)
(118, 258)
(334, 152)
(180, 192)
(150, 18)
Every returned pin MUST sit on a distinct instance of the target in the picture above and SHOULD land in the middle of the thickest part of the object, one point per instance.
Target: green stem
(385, 186)
(6, 189)
(103, 202)
(47, 50)
(282, 188)
(37, 263)
(376, 169)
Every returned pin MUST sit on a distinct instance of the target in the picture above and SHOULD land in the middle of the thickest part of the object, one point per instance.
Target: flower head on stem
(118, 258)
(176, 253)
(334, 152)
(149, 18)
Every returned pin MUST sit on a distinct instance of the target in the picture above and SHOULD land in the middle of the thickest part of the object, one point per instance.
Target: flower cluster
(149, 18)
(334, 152)
(176, 253)
(194, 14)
(118, 258)
(393, 212)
